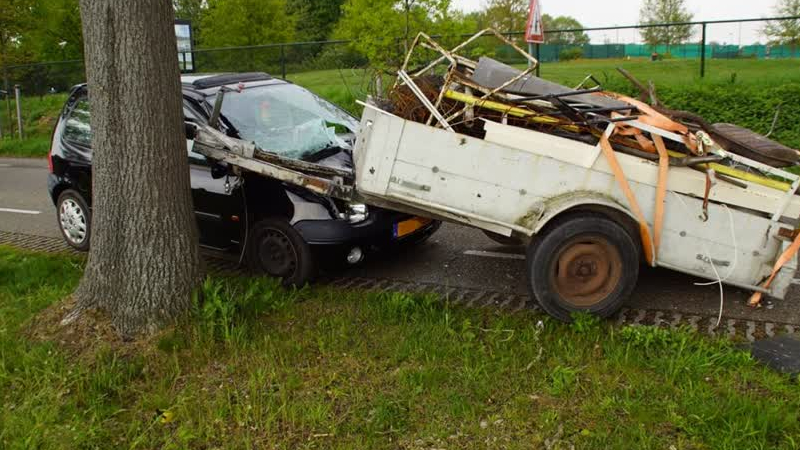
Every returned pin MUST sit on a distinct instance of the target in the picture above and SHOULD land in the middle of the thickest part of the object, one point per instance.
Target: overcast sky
(594, 13)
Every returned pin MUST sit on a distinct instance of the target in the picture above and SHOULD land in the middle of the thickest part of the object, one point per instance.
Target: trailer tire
(275, 248)
(583, 263)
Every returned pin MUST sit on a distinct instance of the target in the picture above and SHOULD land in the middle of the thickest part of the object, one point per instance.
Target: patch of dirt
(91, 331)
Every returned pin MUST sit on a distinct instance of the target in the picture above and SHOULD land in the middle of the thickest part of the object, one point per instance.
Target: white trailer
(561, 198)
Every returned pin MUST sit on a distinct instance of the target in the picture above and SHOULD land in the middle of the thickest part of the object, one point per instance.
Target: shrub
(570, 54)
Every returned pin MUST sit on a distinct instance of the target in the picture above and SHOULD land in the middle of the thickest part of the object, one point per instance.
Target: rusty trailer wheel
(583, 263)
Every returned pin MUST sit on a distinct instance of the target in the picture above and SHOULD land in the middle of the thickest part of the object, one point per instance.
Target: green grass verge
(35, 147)
(257, 368)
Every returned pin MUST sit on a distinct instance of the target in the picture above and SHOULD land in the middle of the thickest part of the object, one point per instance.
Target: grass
(743, 91)
(262, 367)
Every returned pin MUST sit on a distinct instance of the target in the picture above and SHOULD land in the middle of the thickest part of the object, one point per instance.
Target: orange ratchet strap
(787, 256)
(661, 190)
(647, 242)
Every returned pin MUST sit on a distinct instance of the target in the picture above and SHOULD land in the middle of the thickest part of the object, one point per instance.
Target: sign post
(534, 31)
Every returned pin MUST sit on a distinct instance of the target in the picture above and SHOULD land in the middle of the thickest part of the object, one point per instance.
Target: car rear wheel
(585, 263)
(74, 219)
(277, 249)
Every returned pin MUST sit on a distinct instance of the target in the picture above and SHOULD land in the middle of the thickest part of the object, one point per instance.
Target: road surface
(455, 257)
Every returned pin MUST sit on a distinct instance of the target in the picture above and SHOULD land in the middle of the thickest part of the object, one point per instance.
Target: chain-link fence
(336, 70)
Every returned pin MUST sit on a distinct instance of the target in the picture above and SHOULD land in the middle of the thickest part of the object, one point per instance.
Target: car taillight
(50, 151)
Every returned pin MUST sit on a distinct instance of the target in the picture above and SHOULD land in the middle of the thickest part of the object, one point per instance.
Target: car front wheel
(74, 219)
(277, 249)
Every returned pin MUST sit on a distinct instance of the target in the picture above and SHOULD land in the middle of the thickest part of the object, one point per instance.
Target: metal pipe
(18, 99)
(283, 62)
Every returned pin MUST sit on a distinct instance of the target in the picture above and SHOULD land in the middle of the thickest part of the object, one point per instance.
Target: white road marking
(494, 254)
(5, 165)
(20, 211)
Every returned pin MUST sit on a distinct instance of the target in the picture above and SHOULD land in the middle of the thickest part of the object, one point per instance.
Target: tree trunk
(144, 262)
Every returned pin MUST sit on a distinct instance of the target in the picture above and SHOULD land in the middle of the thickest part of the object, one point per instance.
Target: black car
(279, 229)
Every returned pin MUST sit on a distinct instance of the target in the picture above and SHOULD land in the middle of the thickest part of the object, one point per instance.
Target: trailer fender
(588, 201)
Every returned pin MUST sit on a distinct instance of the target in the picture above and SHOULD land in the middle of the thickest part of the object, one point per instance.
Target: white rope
(713, 266)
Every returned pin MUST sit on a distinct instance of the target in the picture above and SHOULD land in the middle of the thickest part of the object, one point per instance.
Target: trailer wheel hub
(586, 270)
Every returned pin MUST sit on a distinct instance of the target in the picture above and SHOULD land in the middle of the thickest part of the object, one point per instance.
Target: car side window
(78, 127)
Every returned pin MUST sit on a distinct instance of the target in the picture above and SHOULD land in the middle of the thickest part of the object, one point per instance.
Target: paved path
(457, 260)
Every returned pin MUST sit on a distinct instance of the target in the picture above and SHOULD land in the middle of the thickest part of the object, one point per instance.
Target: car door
(218, 203)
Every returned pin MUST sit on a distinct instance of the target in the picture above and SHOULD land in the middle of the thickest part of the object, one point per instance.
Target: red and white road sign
(534, 33)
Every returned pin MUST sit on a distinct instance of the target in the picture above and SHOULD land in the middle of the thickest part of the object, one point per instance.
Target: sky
(597, 13)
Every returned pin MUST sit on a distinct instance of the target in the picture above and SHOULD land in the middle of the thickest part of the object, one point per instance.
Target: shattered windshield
(288, 120)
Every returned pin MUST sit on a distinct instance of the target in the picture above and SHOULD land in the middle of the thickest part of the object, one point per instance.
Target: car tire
(74, 219)
(275, 248)
(506, 241)
(583, 263)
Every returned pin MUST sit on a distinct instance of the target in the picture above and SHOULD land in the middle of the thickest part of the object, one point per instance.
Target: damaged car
(279, 229)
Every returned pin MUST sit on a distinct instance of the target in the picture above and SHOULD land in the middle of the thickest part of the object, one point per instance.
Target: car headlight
(356, 213)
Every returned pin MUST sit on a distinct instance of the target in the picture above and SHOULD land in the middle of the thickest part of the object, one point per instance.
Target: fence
(295, 59)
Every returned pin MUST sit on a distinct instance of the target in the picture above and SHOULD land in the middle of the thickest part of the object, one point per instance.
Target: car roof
(209, 84)
(203, 85)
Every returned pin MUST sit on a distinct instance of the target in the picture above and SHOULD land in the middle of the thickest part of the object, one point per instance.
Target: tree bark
(144, 262)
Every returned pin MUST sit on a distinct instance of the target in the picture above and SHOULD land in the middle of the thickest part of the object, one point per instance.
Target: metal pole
(18, 97)
(530, 51)
(283, 62)
(703, 53)
(538, 59)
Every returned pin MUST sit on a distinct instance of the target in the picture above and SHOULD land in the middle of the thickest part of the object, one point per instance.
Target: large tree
(784, 32)
(551, 23)
(144, 262)
(665, 11)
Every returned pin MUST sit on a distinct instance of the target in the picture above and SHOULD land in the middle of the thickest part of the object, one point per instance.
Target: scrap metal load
(605, 132)
(469, 93)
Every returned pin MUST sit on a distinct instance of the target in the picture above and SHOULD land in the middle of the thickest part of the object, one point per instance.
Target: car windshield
(288, 120)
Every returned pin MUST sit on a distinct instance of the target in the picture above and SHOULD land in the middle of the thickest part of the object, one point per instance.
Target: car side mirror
(191, 130)
(218, 170)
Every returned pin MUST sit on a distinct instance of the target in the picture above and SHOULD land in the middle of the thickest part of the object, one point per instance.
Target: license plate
(409, 226)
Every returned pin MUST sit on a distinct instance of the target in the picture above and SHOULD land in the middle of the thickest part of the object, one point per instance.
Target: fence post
(18, 98)
(283, 61)
(703, 53)
(8, 101)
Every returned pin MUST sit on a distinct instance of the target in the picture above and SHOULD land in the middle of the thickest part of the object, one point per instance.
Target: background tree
(144, 262)
(551, 23)
(316, 19)
(784, 32)
(246, 22)
(506, 15)
(14, 17)
(665, 11)
(56, 31)
(377, 27)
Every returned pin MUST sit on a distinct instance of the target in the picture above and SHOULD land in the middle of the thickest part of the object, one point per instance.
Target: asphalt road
(455, 257)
